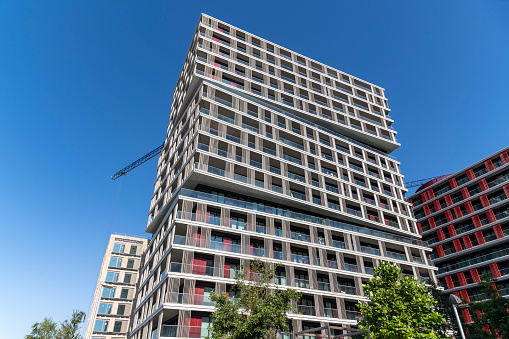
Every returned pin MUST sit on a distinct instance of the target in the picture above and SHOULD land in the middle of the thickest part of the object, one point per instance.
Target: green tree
(260, 310)
(400, 307)
(48, 329)
(492, 310)
(444, 308)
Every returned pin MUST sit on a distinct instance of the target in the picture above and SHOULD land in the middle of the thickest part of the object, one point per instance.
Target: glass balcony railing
(330, 313)
(370, 250)
(369, 270)
(353, 315)
(332, 264)
(300, 236)
(338, 244)
(395, 255)
(301, 259)
(347, 289)
(306, 310)
(278, 255)
(351, 267)
(302, 283)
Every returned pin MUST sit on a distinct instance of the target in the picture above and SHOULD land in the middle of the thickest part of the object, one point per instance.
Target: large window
(121, 309)
(117, 327)
(115, 262)
(108, 292)
(127, 278)
(118, 248)
(112, 276)
(101, 325)
(104, 308)
(124, 293)
(133, 249)
(130, 263)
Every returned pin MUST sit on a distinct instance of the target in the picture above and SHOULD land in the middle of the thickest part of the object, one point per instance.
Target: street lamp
(93, 312)
(456, 301)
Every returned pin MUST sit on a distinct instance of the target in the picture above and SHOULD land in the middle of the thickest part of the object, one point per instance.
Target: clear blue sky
(85, 88)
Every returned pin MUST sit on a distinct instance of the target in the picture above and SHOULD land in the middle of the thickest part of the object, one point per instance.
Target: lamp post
(94, 309)
(456, 301)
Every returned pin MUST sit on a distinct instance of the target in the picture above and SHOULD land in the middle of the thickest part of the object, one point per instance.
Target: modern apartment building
(465, 218)
(116, 287)
(272, 155)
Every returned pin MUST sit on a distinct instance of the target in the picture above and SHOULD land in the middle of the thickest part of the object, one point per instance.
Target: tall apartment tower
(116, 288)
(272, 155)
(465, 218)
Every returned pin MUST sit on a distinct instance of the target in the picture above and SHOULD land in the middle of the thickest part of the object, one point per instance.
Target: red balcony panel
(466, 316)
(437, 205)
(498, 231)
(462, 279)
(452, 230)
(431, 194)
(475, 275)
(440, 251)
(432, 222)
(491, 216)
(480, 237)
(419, 227)
(448, 216)
(441, 235)
(476, 221)
(506, 190)
(483, 184)
(448, 200)
(467, 241)
(457, 245)
(470, 174)
(495, 271)
(489, 165)
(426, 210)
(504, 157)
(411, 202)
(465, 193)
(453, 183)
(424, 197)
(484, 200)
(448, 281)
(457, 211)
(469, 207)
(464, 296)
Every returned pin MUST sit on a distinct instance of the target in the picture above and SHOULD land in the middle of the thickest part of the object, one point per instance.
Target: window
(121, 309)
(130, 263)
(280, 278)
(112, 276)
(108, 292)
(117, 327)
(124, 293)
(133, 250)
(104, 308)
(101, 325)
(116, 262)
(118, 248)
(127, 278)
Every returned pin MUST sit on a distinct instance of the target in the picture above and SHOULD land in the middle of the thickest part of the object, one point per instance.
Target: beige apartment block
(271, 155)
(116, 288)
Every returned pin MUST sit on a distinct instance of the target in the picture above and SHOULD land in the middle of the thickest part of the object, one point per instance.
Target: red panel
(448, 200)
(506, 190)
(475, 275)
(504, 157)
(419, 227)
(437, 205)
(440, 251)
(432, 222)
(464, 295)
(480, 237)
(426, 210)
(469, 207)
(465, 193)
(476, 221)
(195, 327)
(457, 245)
(198, 294)
(227, 244)
(448, 216)
(197, 239)
(466, 315)
(491, 216)
(441, 235)
(431, 194)
(470, 174)
(483, 184)
(457, 212)
(448, 281)
(453, 183)
(411, 202)
(495, 271)
(227, 269)
(498, 231)
(489, 165)
(461, 278)
(424, 197)
(452, 230)
(484, 200)
(199, 266)
(467, 241)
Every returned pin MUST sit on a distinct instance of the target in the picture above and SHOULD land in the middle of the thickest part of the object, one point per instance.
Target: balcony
(301, 259)
(300, 236)
(351, 268)
(306, 310)
(396, 255)
(370, 250)
(347, 289)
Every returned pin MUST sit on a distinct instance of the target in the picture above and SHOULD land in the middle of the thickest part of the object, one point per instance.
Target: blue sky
(85, 88)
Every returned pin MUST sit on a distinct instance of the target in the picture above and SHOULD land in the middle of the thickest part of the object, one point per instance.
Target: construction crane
(420, 182)
(137, 163)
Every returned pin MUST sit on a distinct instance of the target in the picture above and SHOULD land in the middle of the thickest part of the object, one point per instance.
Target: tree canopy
(48, 329)
(259, 311)
(400, 307)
